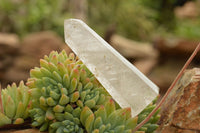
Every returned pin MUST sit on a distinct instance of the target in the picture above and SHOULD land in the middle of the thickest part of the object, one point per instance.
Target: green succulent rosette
(15, 104)
(62, 80)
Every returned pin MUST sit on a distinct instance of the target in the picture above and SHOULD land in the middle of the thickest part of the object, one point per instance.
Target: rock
(39, 44)
(164, 73)
(22, 131)
(25, 62)
(175, 46)
(9, 43)
(14, 75)
(189, 10)
(9, 47)
(33, 48)
(146, 65)
(180, 112)
(5, 62)
(20, 69)
(1, 75)
(133, 49)
(173, 54)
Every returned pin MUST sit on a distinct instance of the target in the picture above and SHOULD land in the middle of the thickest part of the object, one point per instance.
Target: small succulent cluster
(15, 104)
(63, 96)
(151, 125)
(68, 122)
(60, 82)
(107, 119)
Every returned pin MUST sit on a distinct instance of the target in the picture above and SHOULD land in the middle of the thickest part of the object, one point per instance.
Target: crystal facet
(125, 83)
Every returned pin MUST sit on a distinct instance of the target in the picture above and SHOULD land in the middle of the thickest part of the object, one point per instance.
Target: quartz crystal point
(124, 82)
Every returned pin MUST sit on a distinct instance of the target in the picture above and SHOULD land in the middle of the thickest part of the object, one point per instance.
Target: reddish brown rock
(33, 48)
(133, 49)
(5, 62)
(22, 131)
(9, 43)
(181, 111)
(189, 10)
(9, 47)
(175, 46)
(39, 44)
(146, 65)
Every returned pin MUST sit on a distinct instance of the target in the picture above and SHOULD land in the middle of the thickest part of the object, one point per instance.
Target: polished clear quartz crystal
(125, 83)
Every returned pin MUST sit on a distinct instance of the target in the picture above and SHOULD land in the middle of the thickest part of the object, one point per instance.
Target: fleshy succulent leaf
(4, 119)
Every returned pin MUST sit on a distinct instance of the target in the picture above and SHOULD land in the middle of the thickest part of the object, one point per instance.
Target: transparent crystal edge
(128, 64)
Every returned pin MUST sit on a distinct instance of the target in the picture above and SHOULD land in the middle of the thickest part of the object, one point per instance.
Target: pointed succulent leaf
(58, 109)
(74, 97)
(79, 103)
(68, 116)
(102, 128)
(86, 112)
(20, 110)
(18, 121)
(97, 123)
(66, 81)
(110, 107)
(44, 127)
(35, 92)
(50, 114)
(64, 100)
(46, 72)
(43, 101)
(51, 102)
(4, 119)
(57, 77)
(44, 63)
(90, 103)
(10, 107)
(36, 73)
(101, 112)
(88, 86)
(69, 108)
(73, 85)
(54, 95)
(76, 112)
(89, 123)
(59, 116)
(56, 125)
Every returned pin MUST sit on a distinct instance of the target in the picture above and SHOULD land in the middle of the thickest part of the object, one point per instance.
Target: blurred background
(156, 36)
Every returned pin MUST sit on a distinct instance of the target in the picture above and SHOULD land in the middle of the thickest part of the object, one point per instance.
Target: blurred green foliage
(141, 19)
(167, 22)
(135, 19)
(25, 16)
(129, 17)
(188, 28)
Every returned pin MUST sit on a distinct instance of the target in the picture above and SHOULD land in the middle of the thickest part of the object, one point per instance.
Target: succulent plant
(151, 125)
(107, 119)
(60, 82)
(67, 98)
(69, 121)
(15, 104)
